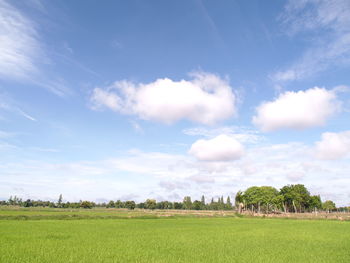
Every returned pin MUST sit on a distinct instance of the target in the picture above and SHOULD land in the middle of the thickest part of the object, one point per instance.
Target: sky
(163, 99)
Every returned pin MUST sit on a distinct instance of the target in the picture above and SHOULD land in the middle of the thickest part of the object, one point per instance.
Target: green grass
(174, 240)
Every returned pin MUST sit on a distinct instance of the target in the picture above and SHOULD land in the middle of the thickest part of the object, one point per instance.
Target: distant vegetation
(263, 199)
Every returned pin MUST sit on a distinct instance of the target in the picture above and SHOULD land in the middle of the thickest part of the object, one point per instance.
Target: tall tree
(187, 203)
(228, 203)
(59, 202)
(203, 202)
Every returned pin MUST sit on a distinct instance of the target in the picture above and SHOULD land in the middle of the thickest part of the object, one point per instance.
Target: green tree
(130, 205)
(178, 205)
(260, 199)
(253, 198)
(197, 205)
(268, 195)
(221, 203)
(187, 203)
(110, 204)
(28, 203)
(86, 204)
(239, 198)
(228, 205)
(151, 204)
(328, 206)
(278, 202)
(203, 202)
(119, 204)
(296, 197)
(59, 202)
(141, 205)
(315, 202)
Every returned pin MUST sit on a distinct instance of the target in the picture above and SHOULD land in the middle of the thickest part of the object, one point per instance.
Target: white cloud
(163, 174)
(204, 99)
(328, 21)
(333, 145)
(19, 43)
(240, 133)
(220, 148)
(297, 110)
(305, 15)
(107, 99)
(23, 55)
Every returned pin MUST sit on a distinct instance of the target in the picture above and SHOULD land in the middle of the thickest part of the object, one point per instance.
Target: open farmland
(171, 239)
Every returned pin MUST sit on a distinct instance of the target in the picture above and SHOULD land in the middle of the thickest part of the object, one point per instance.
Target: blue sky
(162, 99)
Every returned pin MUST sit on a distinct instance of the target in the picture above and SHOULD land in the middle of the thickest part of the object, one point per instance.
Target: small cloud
(220, 148)
(26, 115)
(240, 133)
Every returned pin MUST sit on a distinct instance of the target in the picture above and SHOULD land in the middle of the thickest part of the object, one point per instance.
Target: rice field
(172, 239)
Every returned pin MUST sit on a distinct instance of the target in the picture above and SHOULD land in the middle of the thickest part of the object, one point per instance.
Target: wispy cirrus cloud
(9, 105)
(19, 44)
(327, 23)
(23, 55)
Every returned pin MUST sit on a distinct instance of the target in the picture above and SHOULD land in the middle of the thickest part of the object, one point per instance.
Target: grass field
(38, 213)
(179, 239)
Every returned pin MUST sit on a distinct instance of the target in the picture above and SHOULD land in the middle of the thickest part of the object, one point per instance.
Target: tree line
(260, 199)
(186, 204)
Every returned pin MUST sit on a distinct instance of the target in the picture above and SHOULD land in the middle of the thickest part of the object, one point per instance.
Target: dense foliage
(261, 199)
(290, 198)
